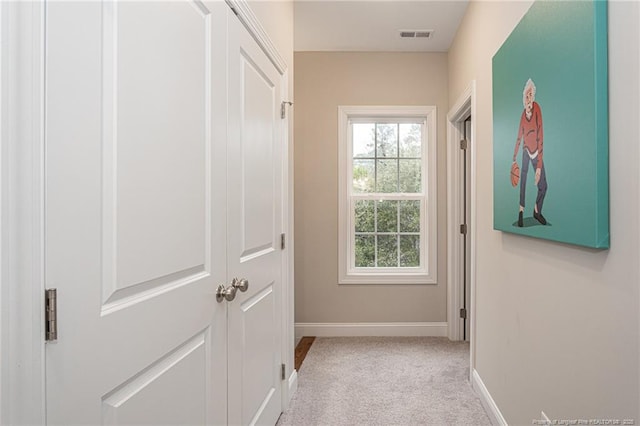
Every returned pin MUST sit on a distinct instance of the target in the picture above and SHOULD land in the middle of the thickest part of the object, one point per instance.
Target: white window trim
(348, 274)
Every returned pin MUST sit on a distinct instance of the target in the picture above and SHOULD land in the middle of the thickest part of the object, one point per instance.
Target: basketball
(515, 174)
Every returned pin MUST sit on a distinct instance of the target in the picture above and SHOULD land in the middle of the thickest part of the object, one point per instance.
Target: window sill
(387, 279)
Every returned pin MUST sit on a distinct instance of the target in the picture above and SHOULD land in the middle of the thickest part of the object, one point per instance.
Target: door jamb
(464, 106)
(290, 385)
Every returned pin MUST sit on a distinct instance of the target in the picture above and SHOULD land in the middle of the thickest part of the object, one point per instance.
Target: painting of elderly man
(554, 61)
(530, 132)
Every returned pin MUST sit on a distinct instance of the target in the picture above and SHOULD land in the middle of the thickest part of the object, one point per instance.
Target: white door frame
(22, 148)
(464, 106)
(288, 314)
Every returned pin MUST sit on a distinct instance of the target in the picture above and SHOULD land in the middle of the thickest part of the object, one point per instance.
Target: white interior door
(254, 228)
(135, 213)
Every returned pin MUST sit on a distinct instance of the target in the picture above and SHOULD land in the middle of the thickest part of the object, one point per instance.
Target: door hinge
(283, 369)
(464, 144)
(463, 313)
(51, 314)
(463, 229)
(283, 109)
(282, 241)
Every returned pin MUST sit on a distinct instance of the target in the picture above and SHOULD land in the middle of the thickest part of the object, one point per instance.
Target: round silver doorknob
(241, 284)
(223, 293)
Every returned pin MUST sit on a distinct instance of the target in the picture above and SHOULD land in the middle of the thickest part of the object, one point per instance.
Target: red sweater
(530, 131)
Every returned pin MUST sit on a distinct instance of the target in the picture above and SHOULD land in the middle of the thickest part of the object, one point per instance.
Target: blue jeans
(542, 183)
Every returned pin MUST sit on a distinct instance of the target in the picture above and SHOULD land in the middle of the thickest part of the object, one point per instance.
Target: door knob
(241, 284)
(223, 293)
(229, 293)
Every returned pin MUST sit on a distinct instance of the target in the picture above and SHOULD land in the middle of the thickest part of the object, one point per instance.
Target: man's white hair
(527, 85)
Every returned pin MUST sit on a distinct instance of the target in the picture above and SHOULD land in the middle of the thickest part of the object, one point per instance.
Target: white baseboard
(487, 401)
(371, 329)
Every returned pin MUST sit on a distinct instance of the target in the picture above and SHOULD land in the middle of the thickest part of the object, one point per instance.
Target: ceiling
(373, 25)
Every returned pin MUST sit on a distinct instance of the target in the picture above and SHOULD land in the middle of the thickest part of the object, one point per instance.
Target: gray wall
(557, 325)
(322, 82)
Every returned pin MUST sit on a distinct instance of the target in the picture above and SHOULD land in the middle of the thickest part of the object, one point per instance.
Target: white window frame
(347, 272)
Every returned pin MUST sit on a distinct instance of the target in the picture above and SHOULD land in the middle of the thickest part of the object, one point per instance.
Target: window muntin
(386, 163)
(386, 233)
(387, 157)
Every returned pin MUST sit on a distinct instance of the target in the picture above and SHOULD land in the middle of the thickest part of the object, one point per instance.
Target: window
(387, 195)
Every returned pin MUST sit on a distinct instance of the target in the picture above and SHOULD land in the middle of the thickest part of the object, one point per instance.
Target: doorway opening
(461, 219)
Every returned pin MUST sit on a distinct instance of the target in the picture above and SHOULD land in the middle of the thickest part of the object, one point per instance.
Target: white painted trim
(288, 338)
(4, 323)
(464, 106)
(290, 388)
(436, 329)
(454, 218)
(250, 21)
(473, 228)
(490, 406)
(22, 239)
(458, 113)
(428, 273)
(4, 305)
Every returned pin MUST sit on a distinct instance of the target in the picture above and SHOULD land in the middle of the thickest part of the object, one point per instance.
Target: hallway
(385, 380)
(157, 157)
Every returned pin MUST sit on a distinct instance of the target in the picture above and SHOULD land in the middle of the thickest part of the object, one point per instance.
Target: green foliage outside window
(387, 233)
(387, 161)
(387, 158)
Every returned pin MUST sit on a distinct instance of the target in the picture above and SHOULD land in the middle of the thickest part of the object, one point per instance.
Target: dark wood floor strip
(301, 350)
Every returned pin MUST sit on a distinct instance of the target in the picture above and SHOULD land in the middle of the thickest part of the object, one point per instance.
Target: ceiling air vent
(416, 33)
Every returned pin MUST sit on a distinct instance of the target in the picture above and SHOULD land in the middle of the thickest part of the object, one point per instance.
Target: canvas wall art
(550, 125)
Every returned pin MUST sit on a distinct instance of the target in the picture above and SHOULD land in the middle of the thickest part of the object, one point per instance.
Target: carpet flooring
(385, 381)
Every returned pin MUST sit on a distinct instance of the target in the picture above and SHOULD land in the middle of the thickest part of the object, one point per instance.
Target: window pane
(387, 176)
(386, 210)
(364, 142)
(387, 140)
(365, 251)
(410, 216)
(363, 175)
(410, 176)
(365, 216)
(388, 251)
(387, 216)
(410, 140)
(409, 250)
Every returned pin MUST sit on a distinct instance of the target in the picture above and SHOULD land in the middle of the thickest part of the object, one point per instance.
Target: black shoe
(520, 220)
(539, 218)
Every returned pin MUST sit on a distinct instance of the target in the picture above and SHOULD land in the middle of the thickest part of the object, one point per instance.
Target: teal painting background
(562, 47)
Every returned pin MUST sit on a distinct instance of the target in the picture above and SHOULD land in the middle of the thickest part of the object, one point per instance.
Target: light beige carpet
(385, 381)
